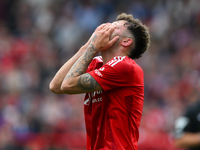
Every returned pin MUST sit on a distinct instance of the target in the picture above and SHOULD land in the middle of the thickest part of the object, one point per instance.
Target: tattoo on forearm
(82, 63)
(87, 82)
(93, 39)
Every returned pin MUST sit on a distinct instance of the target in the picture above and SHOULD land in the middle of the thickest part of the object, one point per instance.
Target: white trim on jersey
(119, 59)
(99, 58)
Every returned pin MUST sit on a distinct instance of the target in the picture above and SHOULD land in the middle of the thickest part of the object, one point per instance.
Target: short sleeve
(95, 64)
(113, 76)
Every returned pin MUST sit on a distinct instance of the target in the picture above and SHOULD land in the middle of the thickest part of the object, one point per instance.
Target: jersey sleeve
(112, 76)
(95, 64)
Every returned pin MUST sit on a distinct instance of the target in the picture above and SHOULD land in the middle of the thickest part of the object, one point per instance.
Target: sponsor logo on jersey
(97, 96)
(94, 97)
(87, 101)
(97, 100)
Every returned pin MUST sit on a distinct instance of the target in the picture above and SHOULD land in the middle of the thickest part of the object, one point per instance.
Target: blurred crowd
(38, 36)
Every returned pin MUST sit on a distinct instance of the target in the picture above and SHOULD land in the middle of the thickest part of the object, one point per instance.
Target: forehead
(120, 23)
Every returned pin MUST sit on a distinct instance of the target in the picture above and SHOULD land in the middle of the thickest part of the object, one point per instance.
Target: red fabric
(65, 140)
(150, 140)
(113, 114)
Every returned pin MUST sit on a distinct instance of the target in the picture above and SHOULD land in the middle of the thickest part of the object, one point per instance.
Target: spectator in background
(36, 38)
(187, 127)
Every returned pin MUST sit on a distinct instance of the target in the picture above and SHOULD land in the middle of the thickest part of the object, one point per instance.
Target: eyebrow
(126, 24)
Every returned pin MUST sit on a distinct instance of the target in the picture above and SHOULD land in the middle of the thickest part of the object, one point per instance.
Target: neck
(110, 53)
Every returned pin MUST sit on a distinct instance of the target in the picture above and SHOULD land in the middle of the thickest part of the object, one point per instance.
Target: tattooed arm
(76, 80)
(55, 84)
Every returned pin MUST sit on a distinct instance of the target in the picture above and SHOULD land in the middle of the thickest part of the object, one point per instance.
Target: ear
(126, 42)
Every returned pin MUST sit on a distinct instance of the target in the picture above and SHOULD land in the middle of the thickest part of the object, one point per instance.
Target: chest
(93, 101)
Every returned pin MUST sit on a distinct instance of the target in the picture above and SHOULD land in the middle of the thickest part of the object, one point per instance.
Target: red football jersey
(113, 115)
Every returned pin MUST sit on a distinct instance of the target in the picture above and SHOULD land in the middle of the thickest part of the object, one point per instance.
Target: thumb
(113, 41)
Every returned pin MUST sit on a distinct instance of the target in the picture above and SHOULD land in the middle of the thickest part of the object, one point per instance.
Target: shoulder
(123, 64)
(96, 63)
(97, 59)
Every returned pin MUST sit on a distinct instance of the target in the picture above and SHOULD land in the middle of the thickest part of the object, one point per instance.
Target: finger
(111, 29)
(106, 26)
(113, 41)
(101, 26)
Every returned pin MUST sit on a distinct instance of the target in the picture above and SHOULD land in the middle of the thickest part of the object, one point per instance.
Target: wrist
(91, 50)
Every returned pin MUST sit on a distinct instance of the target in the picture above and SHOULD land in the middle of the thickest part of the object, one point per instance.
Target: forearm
(76, 80)
(79, 67)
(55, 84)
(188, 140)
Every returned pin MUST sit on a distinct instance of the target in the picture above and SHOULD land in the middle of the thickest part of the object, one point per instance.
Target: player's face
(120, 28)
